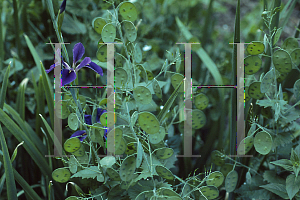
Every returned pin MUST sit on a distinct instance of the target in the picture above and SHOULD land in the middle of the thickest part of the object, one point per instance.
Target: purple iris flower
(68, 74)
(62, 6)
(81, 135)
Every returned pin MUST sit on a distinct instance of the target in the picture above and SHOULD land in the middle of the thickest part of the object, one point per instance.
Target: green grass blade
(27, 188)
(33, 52)
(21, 98)
(4, 87)
(287, 12)
(50, 131)
(10, 180)
(35, 154)
(1, 42)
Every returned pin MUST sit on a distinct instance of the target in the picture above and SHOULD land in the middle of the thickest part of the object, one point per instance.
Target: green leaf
(292, 185)
(108, 161)
(90, 172)
(4, 87)
(73, 26)
(8, 169)
(16, 151)
(284, 163)
(276, 188)
(33, 53)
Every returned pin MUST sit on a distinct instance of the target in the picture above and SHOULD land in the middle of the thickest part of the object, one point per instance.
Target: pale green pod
(73, 121)
(176, 80)
(83, 159)
(164, 172)
(231, 181)
(290, 44)
(122, 148)
(210, 192)
(245, 145)
(127, 168)
(142, 95)
(263, 142)
(164, 153)
(61, 175)
(114, 139)
(285, 96)
(109, 33)
(295, 55)
(246, 97)
(198, 119)
(297, 90)
(143, 72)
(113, 174)
(131, 148)
(254, 91)
(102, 53)
(80, 151)
(128, 11)
(148, 122)
(282, 61)
(130, 30)
(267, 81)
(72, 144)
(158, 136)
(277, 36)
(215, 179)
(137, 54)
(121, 77)
(281, 77)
(255, 48)
(157, 89)
(201, 101)
(104, 119)
(98, 24)
(252, 64)
(217, 158)
(149, 75)
(72, 162)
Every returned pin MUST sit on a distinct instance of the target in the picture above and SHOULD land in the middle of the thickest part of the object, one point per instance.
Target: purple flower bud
(62, 6)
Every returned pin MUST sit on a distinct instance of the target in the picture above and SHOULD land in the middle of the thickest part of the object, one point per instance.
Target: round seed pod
(128, 11)
(263, 142)
(64, 110)
(142, 95)
(73, 121)
(252, 64)
(282, 61)
(246, 97)
(122, 148)
(215, 179)
(290, 44)
(295, 55)
(201, 101)
(210, 192)
(225, 169)
(157, 89)
(131, 148)
(164, 172)
(255, 48)
(285, 96)
(164, 153)
(267, 81)
(245, 145)
(114, 139)
(102, 53)
(137, 53)
(198, 119)
(217, 158)
(143, 72)
(127, 168)
(109, 33)
(176, 80)
(105, 122)
(98, 24)
(83, 159)
(72, 144)
(80, 151)
(113, 174)
(121, 77)
(149, 75)
(281, 77)
(231, 181)
(61, 175)
(130, 30)
(254, 91)
(158, 136)
(148, 122)
(297, 90)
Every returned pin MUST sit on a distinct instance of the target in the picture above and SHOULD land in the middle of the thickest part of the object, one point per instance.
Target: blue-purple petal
(67, 76)
(100, 111)
(62, 6)
(88, 119)
(95, 67)
(78, 52)
(81, 135)
(50, 69)
(85, 62)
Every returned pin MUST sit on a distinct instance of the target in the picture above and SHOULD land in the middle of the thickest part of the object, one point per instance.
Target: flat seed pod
(142, 95)
(72, 162)
(277, 36)
(281, 77)
(297, 90)
(140, 152)
(164, 172)
(103, 102)
(143, 72)
(157, 89)
(108, 33)
(215, 179)
(164, 153)
(290, 44)
(131, 148)
(130, 31)
(158, 136)
(122, 148)
(98, 24)
(217, 158)
(201, 101)
(263, 142)
(137, 54)
(148, 122)
(102, 53)
(245, 145)
(252, 64)
(255, 48)
(295, 55)
(149, 75)
(161, 144)
(254, 91)
(61, 175)
(114, 139)
(72, 144)
(80, 151)
(105, 122)
(128, 11)
(176, 80)
(83, 159)
(127, 168)
(64, 110)
(198, 119)
(267, 81)
(231, 181)
(282, 61)
(225, 169)
(73, 121)
(113, 174)
(246, 95)
(210, 192)
(285, 96)
(121, 77)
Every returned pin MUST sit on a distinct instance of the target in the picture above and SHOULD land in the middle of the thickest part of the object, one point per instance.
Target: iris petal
(51, 68)
(78, 52)
(81, 135)
(88, 119)
(95, 67)
(85, 62)
(67, 75)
